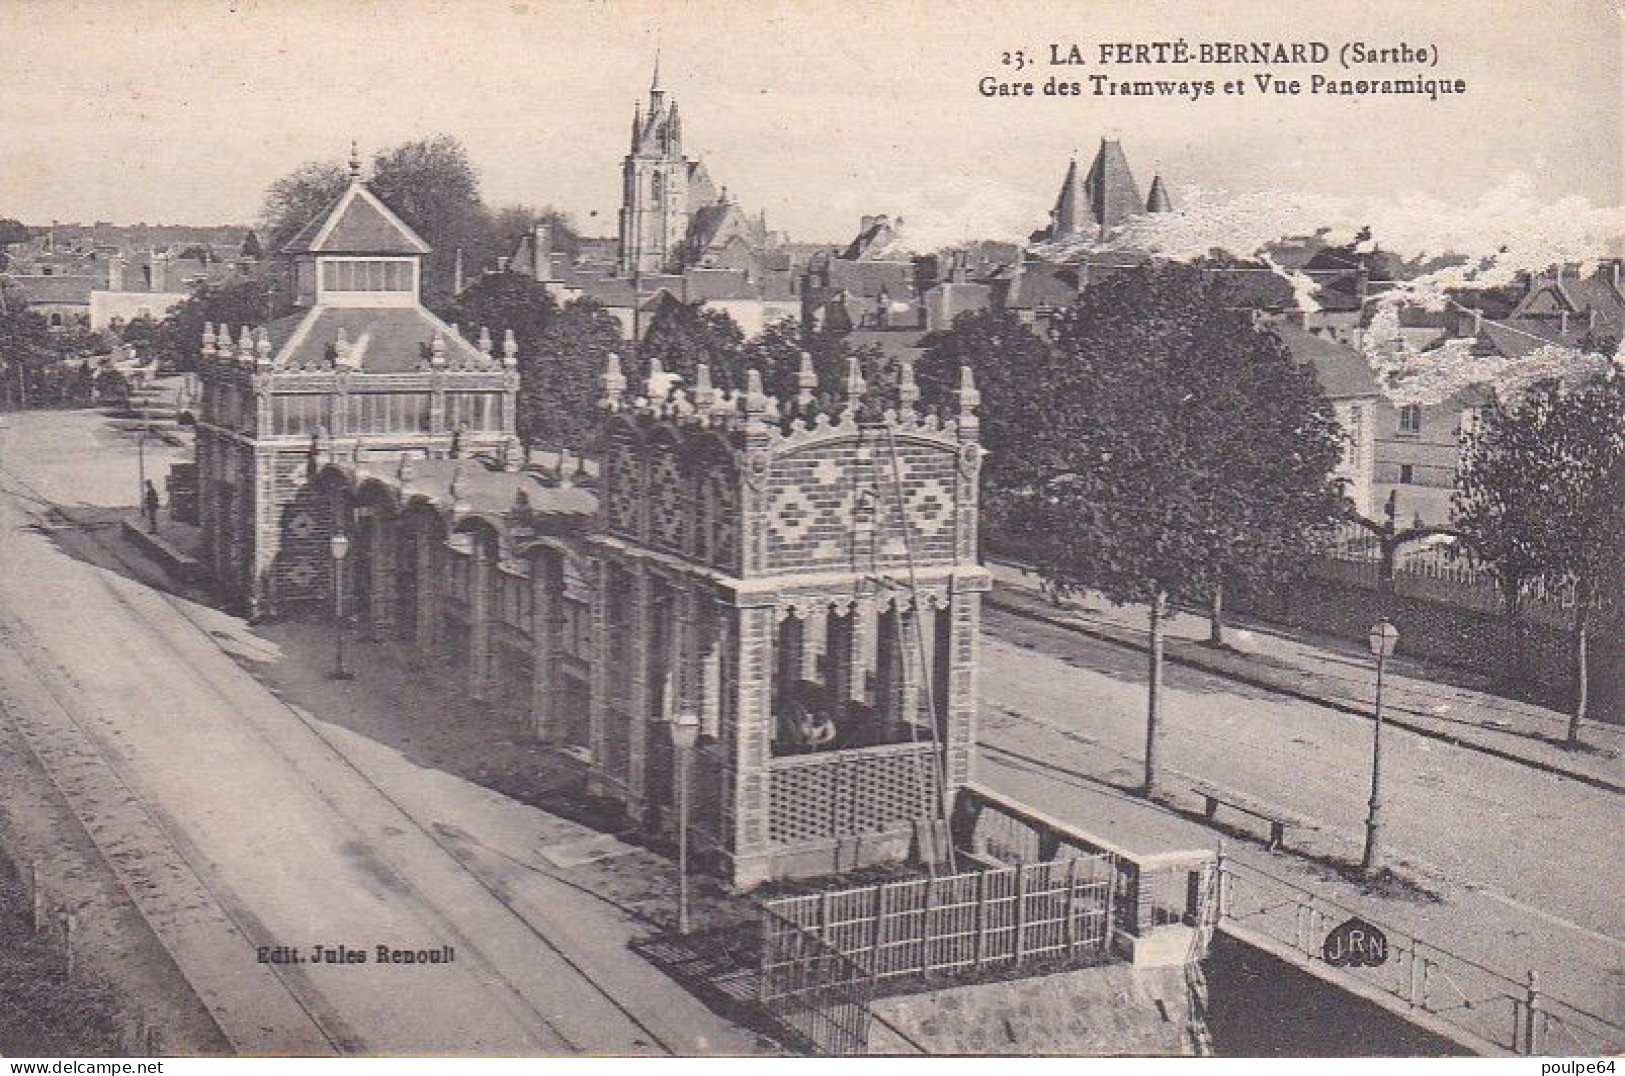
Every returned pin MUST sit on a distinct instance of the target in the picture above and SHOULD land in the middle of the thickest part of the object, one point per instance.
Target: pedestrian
(151, 505)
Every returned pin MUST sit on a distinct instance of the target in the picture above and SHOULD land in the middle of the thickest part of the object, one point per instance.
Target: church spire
(657, 96)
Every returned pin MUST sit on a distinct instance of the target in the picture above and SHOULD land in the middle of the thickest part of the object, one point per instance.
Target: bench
(1279, 818)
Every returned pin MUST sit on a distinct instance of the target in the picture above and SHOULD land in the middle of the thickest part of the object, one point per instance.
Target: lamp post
(141, 449)
(339, 546)
(1382, 640)
(685, 731)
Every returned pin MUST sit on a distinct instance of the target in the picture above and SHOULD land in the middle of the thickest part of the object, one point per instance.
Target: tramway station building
(800, 582)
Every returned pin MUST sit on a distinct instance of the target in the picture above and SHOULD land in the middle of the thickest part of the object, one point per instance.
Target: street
(1525, 864)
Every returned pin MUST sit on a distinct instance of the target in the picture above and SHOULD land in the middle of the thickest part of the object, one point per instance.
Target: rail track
(149, 854)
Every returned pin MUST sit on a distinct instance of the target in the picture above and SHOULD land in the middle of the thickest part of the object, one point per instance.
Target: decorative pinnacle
(806, 382)
(614, 383)
(704, 394)
(755, 398)
(341, 347)
(355, 161)
(510, 348)
(437, 350)
(656, 385)
(485, 340)
(208, 335)
(854, 381)
(245, 344)
(908, 392)
(969, 398)
(262, 348)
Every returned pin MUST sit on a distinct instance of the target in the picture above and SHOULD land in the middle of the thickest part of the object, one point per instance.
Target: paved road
(238, 822)
(1526, 863)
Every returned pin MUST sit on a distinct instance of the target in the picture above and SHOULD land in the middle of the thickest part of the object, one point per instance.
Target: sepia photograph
(771, 529)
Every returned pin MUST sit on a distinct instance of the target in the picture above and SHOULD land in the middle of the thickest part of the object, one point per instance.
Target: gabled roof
(58, 288)
(1342, 372)
(357, 222)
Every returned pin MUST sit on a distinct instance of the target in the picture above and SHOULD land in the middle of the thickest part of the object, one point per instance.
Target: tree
(776, 353)
(1164, 442)
(1538, 494)
(433, 187)
(251, 301)
(295, 199)
(504, 302)
(683, 335)
(251, 246)
(569, 363)
(1012, 366)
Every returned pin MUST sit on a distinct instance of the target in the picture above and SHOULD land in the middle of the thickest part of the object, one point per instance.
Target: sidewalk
(1506, 728)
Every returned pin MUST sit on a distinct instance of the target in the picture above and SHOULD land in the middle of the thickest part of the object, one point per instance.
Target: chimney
(1563, 323)
(865, 223)
(1478, 322)
(115, 273)
(457, 272)
(158, 272)
(541, 243)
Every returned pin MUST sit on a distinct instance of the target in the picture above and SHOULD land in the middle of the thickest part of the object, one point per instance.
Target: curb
(1176, 657)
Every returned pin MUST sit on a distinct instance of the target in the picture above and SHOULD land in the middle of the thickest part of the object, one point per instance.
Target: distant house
(1346, 379)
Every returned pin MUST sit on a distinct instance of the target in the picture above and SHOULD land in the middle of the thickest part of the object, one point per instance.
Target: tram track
(295, 984)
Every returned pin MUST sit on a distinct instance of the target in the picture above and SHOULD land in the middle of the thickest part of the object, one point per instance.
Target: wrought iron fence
(818, 996)
(1484, 1004)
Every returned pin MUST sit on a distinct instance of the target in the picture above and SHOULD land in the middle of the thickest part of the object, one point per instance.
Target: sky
(182, 111)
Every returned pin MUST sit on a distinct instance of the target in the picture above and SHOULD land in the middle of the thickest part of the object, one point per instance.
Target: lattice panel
(724, 519)
(624, 489)
(851, 793)
(666, 502)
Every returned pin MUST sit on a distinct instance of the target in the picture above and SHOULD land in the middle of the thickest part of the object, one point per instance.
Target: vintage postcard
(776, 529)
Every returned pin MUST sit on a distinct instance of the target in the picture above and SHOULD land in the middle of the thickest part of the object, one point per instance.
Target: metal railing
(1486, 1006)
(818, 996)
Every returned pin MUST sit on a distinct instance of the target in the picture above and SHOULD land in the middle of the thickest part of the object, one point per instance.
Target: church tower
(654, 188)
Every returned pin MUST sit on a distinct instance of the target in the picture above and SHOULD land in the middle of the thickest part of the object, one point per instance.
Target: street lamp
(339, 546)
(685, 732)
(1382, 640)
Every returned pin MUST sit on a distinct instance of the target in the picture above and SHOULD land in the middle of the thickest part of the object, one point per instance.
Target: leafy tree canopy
(251, 301)
(683, 335)
(1536, 485)
(1538, 497)
(1164, 443)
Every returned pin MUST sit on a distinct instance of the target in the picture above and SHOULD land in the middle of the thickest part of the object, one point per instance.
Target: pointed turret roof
(357, 222)
(1069, 204)
(1114, 197)
(1158, 201)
